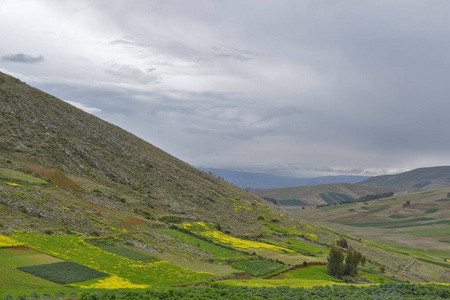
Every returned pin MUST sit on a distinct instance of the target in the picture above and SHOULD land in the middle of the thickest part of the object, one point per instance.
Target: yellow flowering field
(75, 249)
(6, 242)
(208, 231)
(112, 282)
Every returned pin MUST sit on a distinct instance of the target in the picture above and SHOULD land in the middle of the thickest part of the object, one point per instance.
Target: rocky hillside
(106, 166)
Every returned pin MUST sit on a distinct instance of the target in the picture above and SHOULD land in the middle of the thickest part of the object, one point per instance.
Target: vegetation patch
(14, 175)
(296, 244)
(75, 249)
(128, 253)
(57, 177)
(209, 232)
(292, 231)
(219, 253)
(63, 272)
(389, 223)
(309, 273)
(293, 202)
(258, 267)
(6, 242)
(431, 210)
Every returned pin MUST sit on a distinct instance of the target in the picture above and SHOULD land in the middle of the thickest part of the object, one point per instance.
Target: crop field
(20, 257)
(406, 223)
(209, 232)
(309, 273)
(63, 272)
(258, 267)
(291, 231)
(127, 253)
(75, 249)
(219, 253)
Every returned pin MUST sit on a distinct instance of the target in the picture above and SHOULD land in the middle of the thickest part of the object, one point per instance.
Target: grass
(258, 267)
(390, 223)
(431, 210)
(309, 273)
(8, 174)
(209, 232)
(20, 257)
(430, 232)
(296, 244)
(127, 252)
(292, 283)
(75, 249)
(219, 253)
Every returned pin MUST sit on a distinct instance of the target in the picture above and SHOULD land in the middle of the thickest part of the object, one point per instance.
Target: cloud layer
(303, 88)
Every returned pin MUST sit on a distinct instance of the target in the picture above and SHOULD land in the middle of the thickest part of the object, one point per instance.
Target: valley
(80, 194)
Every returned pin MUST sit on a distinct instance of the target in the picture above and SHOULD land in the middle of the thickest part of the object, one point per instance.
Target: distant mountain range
(254, 181)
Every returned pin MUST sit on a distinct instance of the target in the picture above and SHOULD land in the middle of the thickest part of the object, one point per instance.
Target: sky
(299, 88)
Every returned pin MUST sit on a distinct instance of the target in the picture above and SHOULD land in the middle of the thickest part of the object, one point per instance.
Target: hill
(423, 178)
(254, 181)
(408, 221)
(103, 209)
(313, 195)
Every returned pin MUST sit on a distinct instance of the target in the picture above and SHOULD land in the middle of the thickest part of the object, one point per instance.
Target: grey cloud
(23, 58)
(131, 73)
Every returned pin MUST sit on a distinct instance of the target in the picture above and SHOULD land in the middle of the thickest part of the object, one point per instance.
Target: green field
(75, 249)
(127, 253)
(8, 174)
(63, 272)
(309, 273)
(406, 223)
(220, 253)
(258, 267)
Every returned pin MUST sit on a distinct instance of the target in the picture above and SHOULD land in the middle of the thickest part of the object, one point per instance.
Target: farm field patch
(258, 267)
(219, 253)
(75, 249)
(63, 272)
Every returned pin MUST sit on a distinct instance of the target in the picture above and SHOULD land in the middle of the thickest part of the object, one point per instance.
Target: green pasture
(127, 253)
(8, 174)
(309, 273)
(257, 267)
(20, 257)
(431, 210)
(292, 283)
(220, 253)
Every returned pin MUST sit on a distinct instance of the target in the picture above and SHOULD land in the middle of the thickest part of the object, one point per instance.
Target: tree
(335, 266)
(351, 261)
(342, 243)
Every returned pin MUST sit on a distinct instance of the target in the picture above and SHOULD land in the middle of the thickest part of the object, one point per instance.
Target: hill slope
(46, 136)
(313, 195)
(84, 191)
(422, 178)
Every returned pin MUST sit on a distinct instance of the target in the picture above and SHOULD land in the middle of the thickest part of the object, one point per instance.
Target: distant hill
(423, 178)
(253, 181)
(313, 195)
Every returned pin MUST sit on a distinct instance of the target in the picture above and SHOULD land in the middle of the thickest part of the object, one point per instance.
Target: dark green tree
(342, 243)
(351, 261)
(335, 266)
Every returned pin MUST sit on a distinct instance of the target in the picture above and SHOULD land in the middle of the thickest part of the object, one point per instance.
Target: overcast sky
(304, 88)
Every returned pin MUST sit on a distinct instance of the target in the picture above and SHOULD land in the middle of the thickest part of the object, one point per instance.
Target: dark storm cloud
(23, 58)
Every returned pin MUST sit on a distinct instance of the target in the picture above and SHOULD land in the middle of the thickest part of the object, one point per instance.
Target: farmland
(420, 227)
